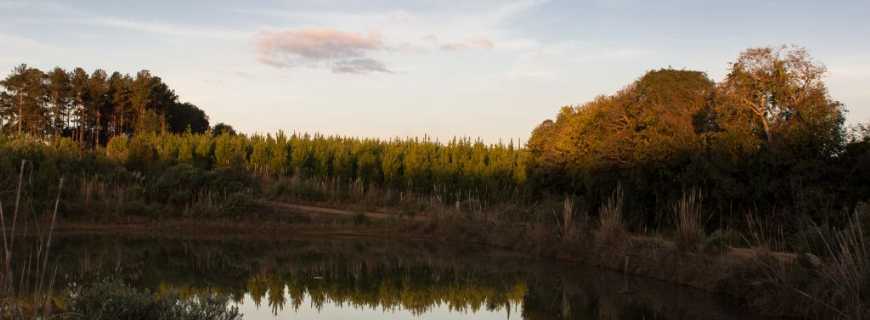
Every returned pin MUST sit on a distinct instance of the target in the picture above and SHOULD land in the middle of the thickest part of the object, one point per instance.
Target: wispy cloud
(342, 52)
(359, 66)
(163, 28)
(474, 25)
(476, 43)
(55, 13)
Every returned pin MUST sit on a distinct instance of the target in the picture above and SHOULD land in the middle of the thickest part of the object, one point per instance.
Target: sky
(388, 68)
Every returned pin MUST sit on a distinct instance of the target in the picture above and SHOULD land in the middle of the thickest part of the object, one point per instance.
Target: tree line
(767, 139)
(417, 165)
(92, 107)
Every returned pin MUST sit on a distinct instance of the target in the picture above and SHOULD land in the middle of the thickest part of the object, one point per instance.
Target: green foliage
(670, 130)
(231, 151)
(112, 299)
(186, 116)
(222, 128)
(92, 108)
(143, 175)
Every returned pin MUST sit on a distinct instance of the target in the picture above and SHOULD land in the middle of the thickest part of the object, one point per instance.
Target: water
(377, 279)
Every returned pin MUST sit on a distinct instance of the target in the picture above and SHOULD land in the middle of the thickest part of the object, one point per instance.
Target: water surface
(378, 279)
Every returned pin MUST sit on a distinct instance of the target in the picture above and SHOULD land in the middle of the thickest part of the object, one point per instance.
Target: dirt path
(319, 211)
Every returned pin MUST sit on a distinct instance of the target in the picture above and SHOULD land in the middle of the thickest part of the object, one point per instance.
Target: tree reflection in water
(380, 277)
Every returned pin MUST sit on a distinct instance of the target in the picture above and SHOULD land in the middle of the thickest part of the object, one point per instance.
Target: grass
(550, 227)
(689, 227)
(831, 283)
(611, 225)
(29, 297)
(846, 271)
(27, 282)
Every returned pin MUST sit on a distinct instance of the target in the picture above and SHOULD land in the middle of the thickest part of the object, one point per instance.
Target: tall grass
(567, 227)
(833, 283)
(846, 271)
(29, 296)
(687, 220)
(611, 225)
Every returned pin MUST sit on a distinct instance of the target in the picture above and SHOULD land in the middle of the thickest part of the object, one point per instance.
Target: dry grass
(833, 286)
(26, 283)
(567, 228)
(687, 220)
(846, 272)
(611, 226)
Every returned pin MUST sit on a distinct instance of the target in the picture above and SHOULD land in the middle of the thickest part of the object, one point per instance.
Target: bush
(177, 185)
(112, 299)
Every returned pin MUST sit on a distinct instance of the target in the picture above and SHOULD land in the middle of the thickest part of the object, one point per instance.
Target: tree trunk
(766, 130)
(762, 113)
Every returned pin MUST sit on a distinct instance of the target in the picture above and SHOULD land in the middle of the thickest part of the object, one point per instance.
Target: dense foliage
(177, 168)
(112, 299)
(767, 140)
(90, 108)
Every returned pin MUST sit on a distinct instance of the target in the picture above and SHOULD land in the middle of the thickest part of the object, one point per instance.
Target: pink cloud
(343, 52)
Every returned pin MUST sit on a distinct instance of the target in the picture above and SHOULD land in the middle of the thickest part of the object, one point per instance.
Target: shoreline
(646, 257)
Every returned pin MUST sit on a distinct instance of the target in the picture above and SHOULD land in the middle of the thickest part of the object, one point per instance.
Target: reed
(30, 296)
(845, 273)
(567, 227)
(687, 220)
(611, 226)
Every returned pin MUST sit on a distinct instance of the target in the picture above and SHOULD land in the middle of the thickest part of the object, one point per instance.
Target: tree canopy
(92, 108)
(766, 137)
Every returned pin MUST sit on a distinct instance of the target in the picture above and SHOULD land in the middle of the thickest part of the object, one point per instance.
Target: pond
(377, 279)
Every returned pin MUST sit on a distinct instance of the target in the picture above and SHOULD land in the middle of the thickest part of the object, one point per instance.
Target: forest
(768, 140)
(760, 158)
(92, 108)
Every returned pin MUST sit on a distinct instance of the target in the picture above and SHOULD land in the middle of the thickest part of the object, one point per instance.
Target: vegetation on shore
(760, 159)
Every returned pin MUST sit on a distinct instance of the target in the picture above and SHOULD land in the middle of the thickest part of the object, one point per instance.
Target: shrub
(118, 149)
(177, 185)
(112, 299)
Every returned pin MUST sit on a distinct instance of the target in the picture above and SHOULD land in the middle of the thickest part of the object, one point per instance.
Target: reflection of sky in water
(344, 279)
(347, 311)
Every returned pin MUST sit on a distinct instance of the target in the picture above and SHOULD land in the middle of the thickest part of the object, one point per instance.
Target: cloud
(408, 26)
(163, 28)
(70, 14)
(477, 43)
(342, 52)
(359, 66)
